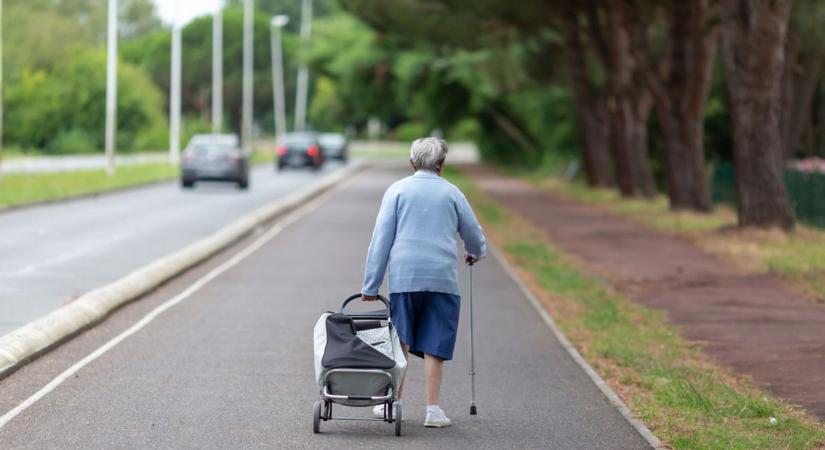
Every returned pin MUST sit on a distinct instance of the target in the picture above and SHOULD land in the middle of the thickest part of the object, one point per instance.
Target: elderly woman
(415, 235)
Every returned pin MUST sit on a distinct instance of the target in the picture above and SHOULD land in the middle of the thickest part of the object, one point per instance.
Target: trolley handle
(369, 314)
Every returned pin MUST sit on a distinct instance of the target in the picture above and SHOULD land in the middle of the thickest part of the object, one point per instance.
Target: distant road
(52, 253)
(462, 152)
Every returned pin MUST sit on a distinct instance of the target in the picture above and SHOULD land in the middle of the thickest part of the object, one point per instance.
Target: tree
(63, 110)
(753, 37)
(628, 102)
(804, 61)
(591, 108)
(680, 84)
(152, 53)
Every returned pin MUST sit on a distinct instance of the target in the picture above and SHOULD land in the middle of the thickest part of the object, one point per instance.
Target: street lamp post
(246, 109)
(174, 95)
(111, 88)
(278, 22)
(217, 71)
(303, 71)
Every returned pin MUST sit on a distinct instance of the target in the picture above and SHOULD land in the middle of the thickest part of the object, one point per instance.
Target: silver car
(214, 158)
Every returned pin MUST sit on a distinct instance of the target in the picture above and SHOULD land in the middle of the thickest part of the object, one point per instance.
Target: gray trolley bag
(359, 362)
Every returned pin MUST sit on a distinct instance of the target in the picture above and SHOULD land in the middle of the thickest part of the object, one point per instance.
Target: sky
(185, 10)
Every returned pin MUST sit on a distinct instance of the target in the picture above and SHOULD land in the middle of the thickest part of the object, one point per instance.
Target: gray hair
(428, 153)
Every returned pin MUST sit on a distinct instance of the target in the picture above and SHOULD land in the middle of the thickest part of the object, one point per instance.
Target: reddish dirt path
(750, 323)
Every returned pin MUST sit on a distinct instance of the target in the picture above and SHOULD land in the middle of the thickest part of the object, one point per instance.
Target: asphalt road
(52, 253)
(232, 367)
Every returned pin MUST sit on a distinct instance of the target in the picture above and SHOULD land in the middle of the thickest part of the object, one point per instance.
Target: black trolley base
(322, 411)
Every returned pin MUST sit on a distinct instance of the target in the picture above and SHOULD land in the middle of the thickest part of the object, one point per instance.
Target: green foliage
(327, 110)
(346, 53)
(73, 141)
(410, 131)
(152, 54)
(66, 106)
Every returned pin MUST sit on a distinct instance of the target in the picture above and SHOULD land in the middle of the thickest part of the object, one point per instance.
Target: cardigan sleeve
(470, 230)
(383, 236)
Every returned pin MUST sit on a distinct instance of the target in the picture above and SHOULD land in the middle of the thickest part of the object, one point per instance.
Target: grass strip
(685, 399)
(20, 189)
(798, 257)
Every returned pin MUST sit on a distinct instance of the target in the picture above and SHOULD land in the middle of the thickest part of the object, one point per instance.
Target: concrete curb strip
(614, 399)
(28, 341)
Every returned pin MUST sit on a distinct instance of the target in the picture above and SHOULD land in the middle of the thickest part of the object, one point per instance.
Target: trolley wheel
(316, 417)
(397, 417)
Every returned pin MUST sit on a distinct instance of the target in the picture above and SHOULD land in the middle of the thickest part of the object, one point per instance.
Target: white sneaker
(437, 419)
(378, 412)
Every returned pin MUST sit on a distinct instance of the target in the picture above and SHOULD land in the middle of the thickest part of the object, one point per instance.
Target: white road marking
(160, 309)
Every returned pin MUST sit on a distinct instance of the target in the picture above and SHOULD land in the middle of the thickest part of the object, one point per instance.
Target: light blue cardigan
(415, 233)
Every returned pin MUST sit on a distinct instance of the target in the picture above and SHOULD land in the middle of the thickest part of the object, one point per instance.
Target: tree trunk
(635, 176)
(680, 93)
(754, 35)
(641, 114)
(598, 163)
(799, 81)
(591, 110)
(788, 81)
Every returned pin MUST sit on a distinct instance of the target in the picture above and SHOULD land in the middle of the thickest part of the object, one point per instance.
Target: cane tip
(473, 411)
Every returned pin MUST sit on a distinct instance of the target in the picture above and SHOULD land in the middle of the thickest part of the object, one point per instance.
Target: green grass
(13, 153)
(21, 189)
(687, 401)
(261, 156)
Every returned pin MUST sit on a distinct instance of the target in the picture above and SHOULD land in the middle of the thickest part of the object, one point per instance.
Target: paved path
(231, 366)
(52, 253)
(749, 322)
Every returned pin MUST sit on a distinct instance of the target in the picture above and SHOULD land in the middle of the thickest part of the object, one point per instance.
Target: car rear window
(211, 150)
(332, 140)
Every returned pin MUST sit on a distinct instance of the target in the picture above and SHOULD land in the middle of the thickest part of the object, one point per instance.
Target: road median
(33, 339)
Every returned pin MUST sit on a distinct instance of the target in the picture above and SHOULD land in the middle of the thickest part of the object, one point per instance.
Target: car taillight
(281, 150)
(313, 151)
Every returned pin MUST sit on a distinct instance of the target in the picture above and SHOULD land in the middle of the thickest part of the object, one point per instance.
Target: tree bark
(591, 110)
(799, 82)
(753, 37)
(627, 126)
(680, 95)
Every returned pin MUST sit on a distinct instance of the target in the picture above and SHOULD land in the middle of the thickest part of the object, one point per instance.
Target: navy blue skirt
(427, 322)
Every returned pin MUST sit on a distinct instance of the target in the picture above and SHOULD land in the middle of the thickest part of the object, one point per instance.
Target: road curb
(29, 341)
(612, 397)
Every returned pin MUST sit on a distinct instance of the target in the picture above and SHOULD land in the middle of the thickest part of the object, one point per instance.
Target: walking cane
(473, 410)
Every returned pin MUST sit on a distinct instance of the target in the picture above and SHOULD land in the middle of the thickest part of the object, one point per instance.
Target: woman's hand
(369, 298)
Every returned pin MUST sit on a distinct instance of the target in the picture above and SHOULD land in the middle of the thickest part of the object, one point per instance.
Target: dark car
(334, 146)
(214, 158)
(299, 150)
